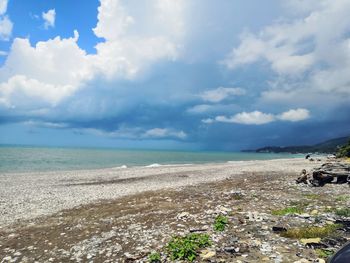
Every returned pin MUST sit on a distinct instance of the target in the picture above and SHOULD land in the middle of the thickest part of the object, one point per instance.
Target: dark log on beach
(320, 179)
(338, 173)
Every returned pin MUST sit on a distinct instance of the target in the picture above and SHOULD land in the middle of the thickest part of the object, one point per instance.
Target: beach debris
(207, 253)
(203, 229)
(183, 215)
(304, 177)
(279, 229)
(254, 234)
(306, 241)
(335, 173)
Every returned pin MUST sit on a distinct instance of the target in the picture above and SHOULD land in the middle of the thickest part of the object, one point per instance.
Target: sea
(32, 159)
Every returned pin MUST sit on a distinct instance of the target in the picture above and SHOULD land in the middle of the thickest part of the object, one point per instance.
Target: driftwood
(338, 173)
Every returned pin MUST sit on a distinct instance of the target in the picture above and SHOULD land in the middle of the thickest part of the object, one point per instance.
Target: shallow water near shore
(31, 159)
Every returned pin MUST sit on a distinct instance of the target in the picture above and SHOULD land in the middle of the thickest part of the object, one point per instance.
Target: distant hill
(329, 146)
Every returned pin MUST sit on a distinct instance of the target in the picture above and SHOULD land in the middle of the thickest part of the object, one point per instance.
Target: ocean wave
(154, 165)
(120, 167)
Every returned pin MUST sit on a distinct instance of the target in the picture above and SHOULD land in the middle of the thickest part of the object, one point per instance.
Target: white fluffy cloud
(49, 18)
(259, 118)
(3, 6)
(20, 91)
(53, 70)
(310, 52)
(6, 24)
(255, 117)
(295, 115)
(5, 28)
(46, 73)
(126, 50)
(221, 93)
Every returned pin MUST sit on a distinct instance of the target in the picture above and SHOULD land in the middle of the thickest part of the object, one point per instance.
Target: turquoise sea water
(26, 159)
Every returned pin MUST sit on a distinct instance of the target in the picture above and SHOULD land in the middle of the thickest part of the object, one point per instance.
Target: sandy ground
(30, 195)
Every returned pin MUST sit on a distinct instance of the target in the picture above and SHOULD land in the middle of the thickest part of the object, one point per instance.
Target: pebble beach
(126, 215)
(34, 194)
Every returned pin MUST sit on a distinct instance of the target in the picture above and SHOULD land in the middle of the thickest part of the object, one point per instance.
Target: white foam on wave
(237, 161)
(168, 165)
(154, 165)
(120, 167)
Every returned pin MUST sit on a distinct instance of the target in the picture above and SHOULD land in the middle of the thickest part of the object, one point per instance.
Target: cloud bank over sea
(174, 73)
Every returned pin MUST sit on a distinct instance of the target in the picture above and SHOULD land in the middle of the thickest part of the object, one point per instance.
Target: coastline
(128, 228)
(25, 196)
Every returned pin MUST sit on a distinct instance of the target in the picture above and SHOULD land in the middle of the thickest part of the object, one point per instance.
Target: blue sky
(174, 74)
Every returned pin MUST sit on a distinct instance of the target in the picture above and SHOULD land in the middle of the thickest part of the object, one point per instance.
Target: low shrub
(220, 223)
(186, 247)
(154, 257)
(311, 232)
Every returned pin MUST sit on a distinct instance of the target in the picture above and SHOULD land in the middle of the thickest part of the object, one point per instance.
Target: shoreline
(153, 165)
(25, 196)
(46, 160)
(129, 228)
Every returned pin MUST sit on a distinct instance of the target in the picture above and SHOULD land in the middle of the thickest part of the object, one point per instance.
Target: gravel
(34, 194)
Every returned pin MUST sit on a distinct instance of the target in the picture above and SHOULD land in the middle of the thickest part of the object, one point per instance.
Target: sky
(174, 74)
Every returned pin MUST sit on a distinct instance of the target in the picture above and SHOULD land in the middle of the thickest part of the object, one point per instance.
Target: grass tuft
(186, 248)
(312, 196)
(343, 212)
(288, 210)
(342, 198)
(311, 232)
(324, 253)
(220, 223)
(154, 257)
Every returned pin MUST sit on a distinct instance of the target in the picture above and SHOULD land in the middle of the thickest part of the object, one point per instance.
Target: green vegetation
(154, 257)
(311, 232)
(342, 198)
(288, 210)
(339, 212)
(344, 151)
(312, 196)
(237, 197)
(329, 146)
(343, 212)
(329, 210)
(324, 253)
(186, 248)
(220, 223)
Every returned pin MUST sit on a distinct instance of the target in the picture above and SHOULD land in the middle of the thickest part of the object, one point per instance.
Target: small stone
(314, 212)
(306, 241)
(206, 254)
(17, 254)
(183, 215)
(231, 249)
(8, 258)
(129, 256)
(304, 215)
(303, 260)
(279, 229)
